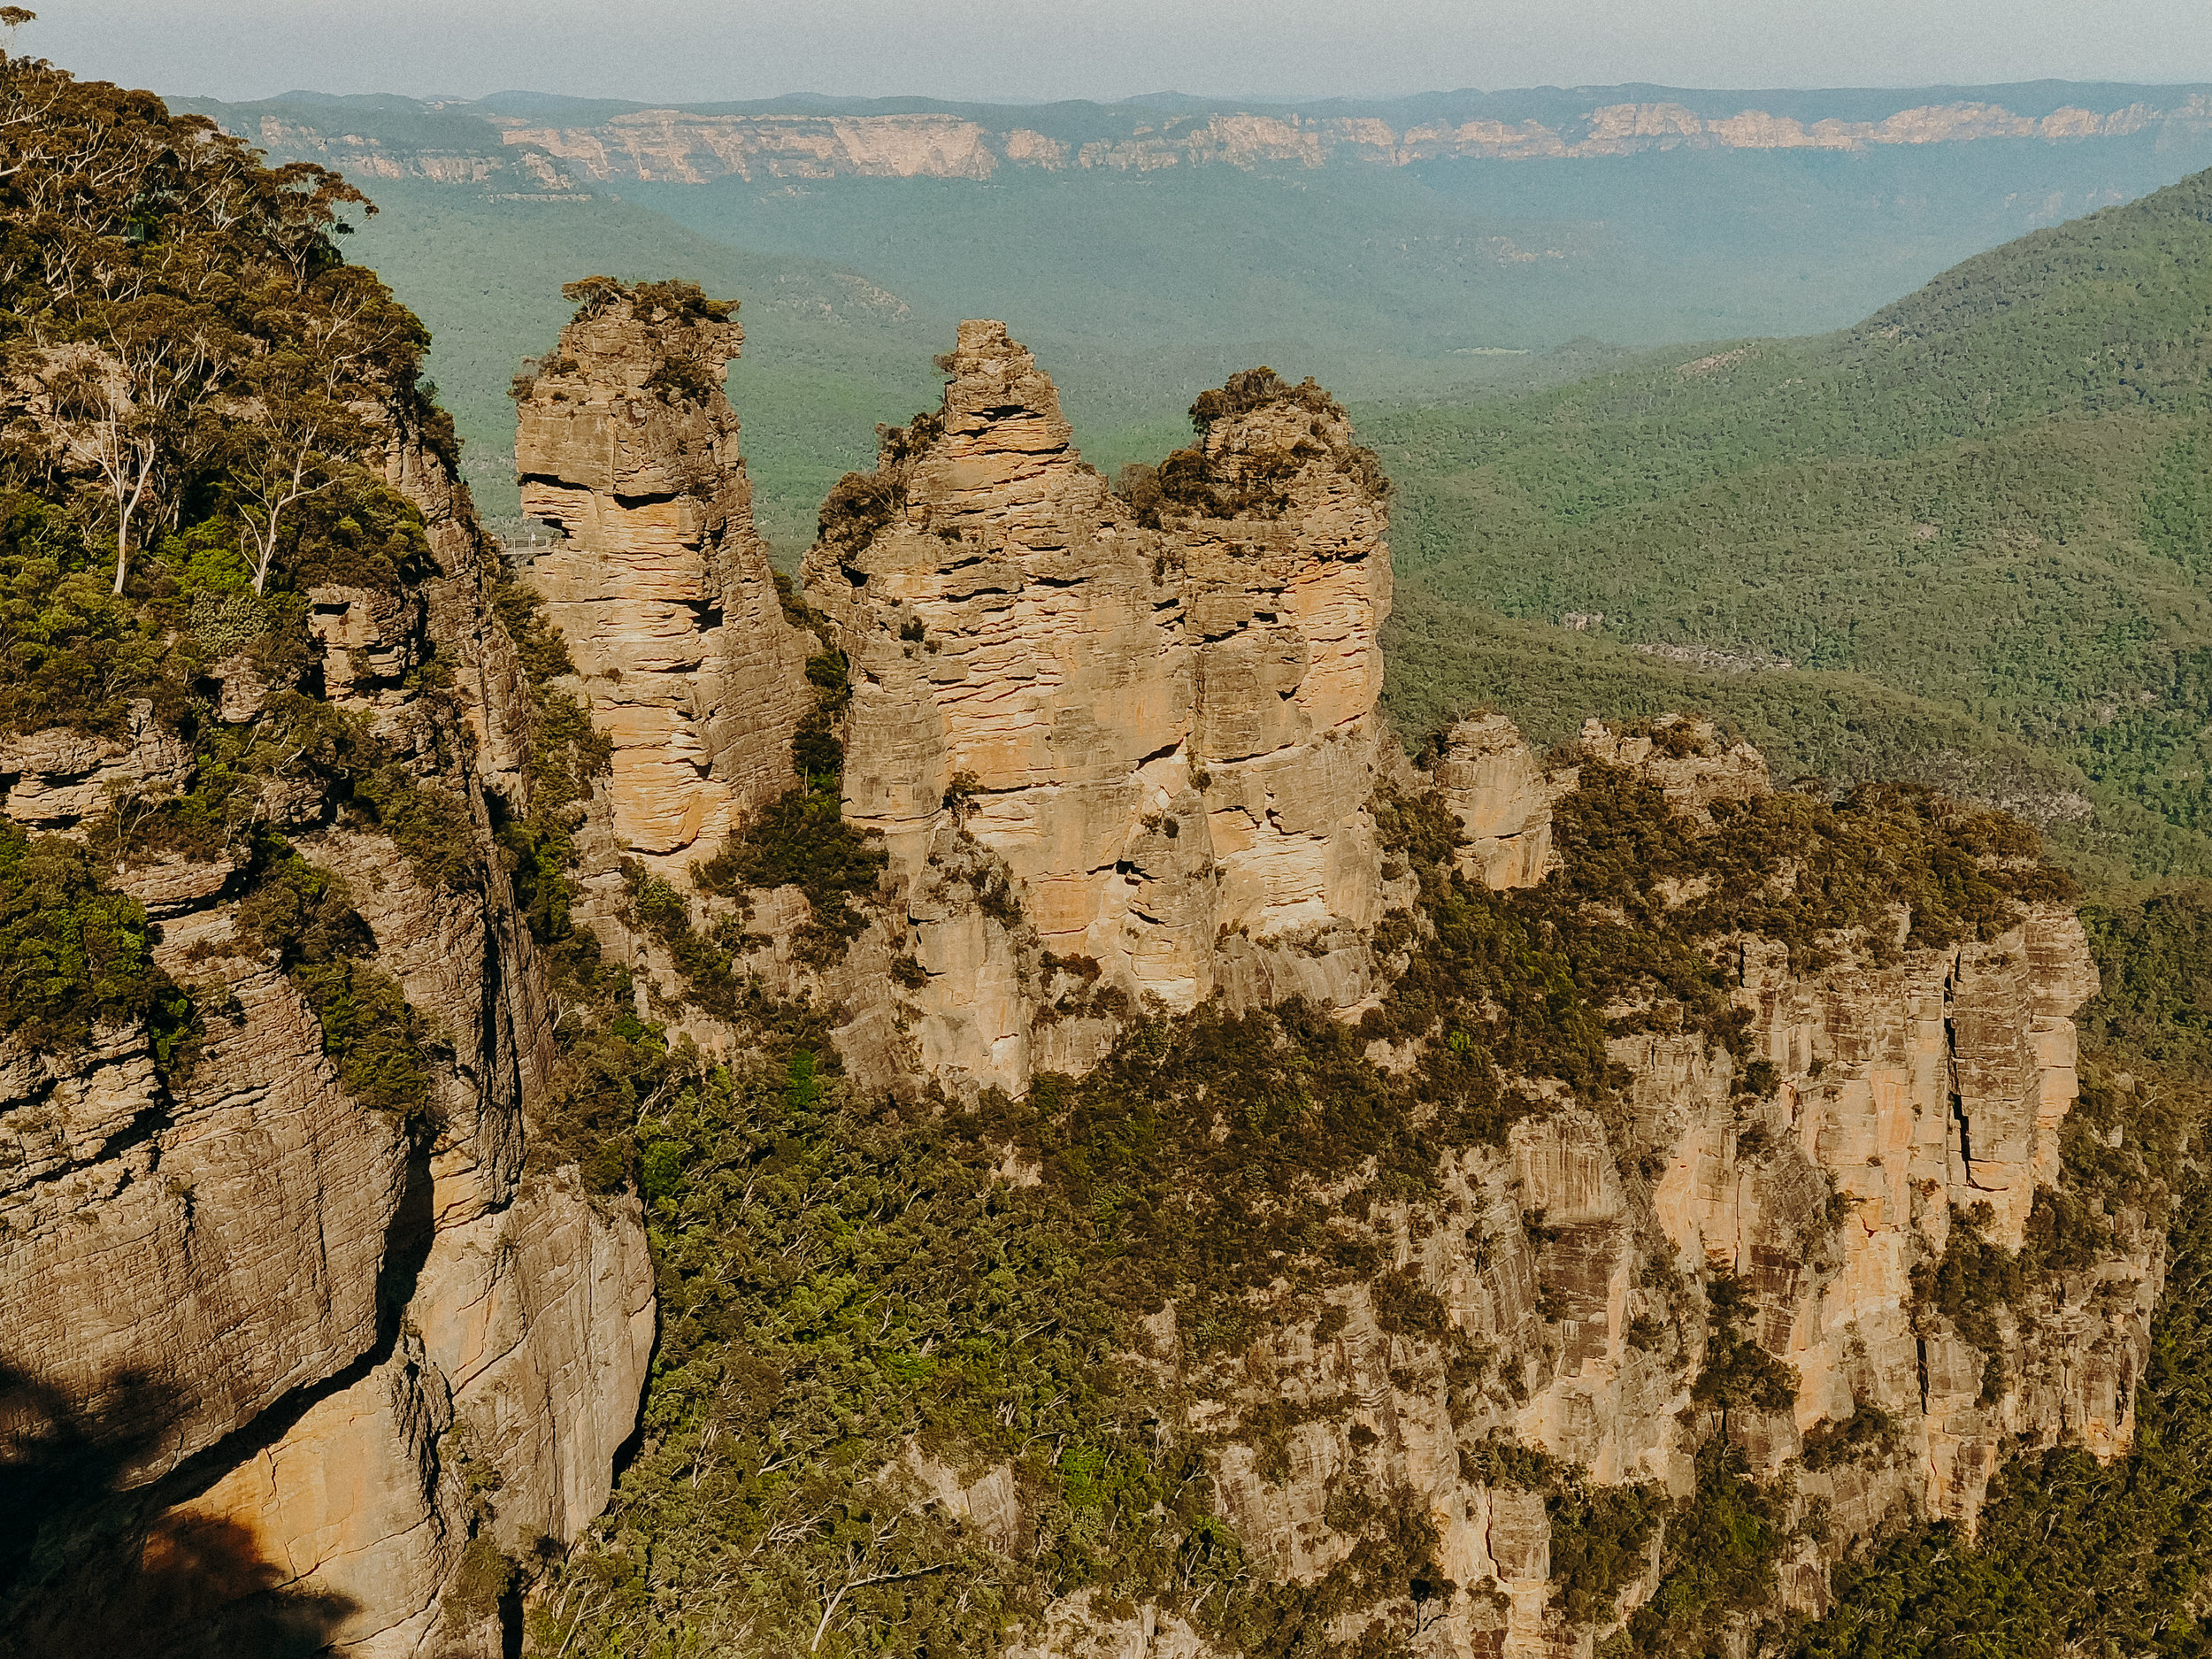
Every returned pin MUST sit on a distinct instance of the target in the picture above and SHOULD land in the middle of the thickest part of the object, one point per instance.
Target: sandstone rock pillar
(662, 589)
(1151, 713)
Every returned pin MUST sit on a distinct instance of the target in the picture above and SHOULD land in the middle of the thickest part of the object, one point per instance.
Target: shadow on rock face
(88, 1568)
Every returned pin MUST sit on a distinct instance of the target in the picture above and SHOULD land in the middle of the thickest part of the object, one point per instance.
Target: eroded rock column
(661, 587)
(1152, 712)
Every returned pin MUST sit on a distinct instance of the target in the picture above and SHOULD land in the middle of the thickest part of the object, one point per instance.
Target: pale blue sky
(1022, 51)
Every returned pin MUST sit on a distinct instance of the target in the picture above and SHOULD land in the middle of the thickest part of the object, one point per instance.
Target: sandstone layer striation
(660, 586)
(1911, 1094)
(281, 1323)
(1151, 716)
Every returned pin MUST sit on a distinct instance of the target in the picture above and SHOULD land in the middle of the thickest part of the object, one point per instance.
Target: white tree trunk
(126, 508)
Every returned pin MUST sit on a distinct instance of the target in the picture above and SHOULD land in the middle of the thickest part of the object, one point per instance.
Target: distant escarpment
(551, 151)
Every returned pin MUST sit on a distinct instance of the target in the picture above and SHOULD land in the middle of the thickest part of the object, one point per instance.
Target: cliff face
(1157, 724)
(1822, 1202)
(679, 147)
(465, 146)
(1574, 1269)
(272, 1318)
(661, 589)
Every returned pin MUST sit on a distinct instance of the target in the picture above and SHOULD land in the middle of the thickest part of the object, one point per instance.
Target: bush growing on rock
(77, 952)
(303, 916)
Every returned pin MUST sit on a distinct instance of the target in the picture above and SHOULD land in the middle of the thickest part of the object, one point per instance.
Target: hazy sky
(1021, 50)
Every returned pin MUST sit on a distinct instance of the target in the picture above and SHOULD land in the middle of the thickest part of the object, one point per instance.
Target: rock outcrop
(1502, 794)
(1155, 718)
(1910, 1096)
(529, 1336)
(661, 587)
(1686, 759)
(1502, 798)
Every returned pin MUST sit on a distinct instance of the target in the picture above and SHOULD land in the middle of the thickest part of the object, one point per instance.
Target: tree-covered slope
(2113, 311)
(1991, 494)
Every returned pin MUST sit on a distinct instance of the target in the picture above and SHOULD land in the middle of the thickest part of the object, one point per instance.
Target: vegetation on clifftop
(185, 365)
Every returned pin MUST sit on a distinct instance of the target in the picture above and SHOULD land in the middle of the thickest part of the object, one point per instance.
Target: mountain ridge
(609, 140)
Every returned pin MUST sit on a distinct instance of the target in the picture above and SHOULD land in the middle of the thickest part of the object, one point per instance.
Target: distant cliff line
(559, 144)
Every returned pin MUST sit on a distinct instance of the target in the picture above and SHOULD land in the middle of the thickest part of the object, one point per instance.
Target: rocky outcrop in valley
(1155, 719)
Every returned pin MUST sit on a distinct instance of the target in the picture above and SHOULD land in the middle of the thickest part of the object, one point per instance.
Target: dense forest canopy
(1975, 522)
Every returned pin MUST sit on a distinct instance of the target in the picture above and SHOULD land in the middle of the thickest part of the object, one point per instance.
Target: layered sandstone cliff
(1155, 719)
(1573, 1268)
(256, 1326)
(677, 146)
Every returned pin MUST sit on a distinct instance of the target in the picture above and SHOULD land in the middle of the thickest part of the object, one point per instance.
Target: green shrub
(482, 1578)
(1406, 1307)
(801, 839)
(1201, 1147)
(1971, 1280)
(681, 381)
(1599, 1536)
(371, 1031)
(71, 653)
(358, 534)
(567, 754)
(861, 505)
(1869, 1434)
(77, 953)
(429, 824)
(1717, 1559)
(837, 1283)
(376, 1037)
(1741, 1375)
